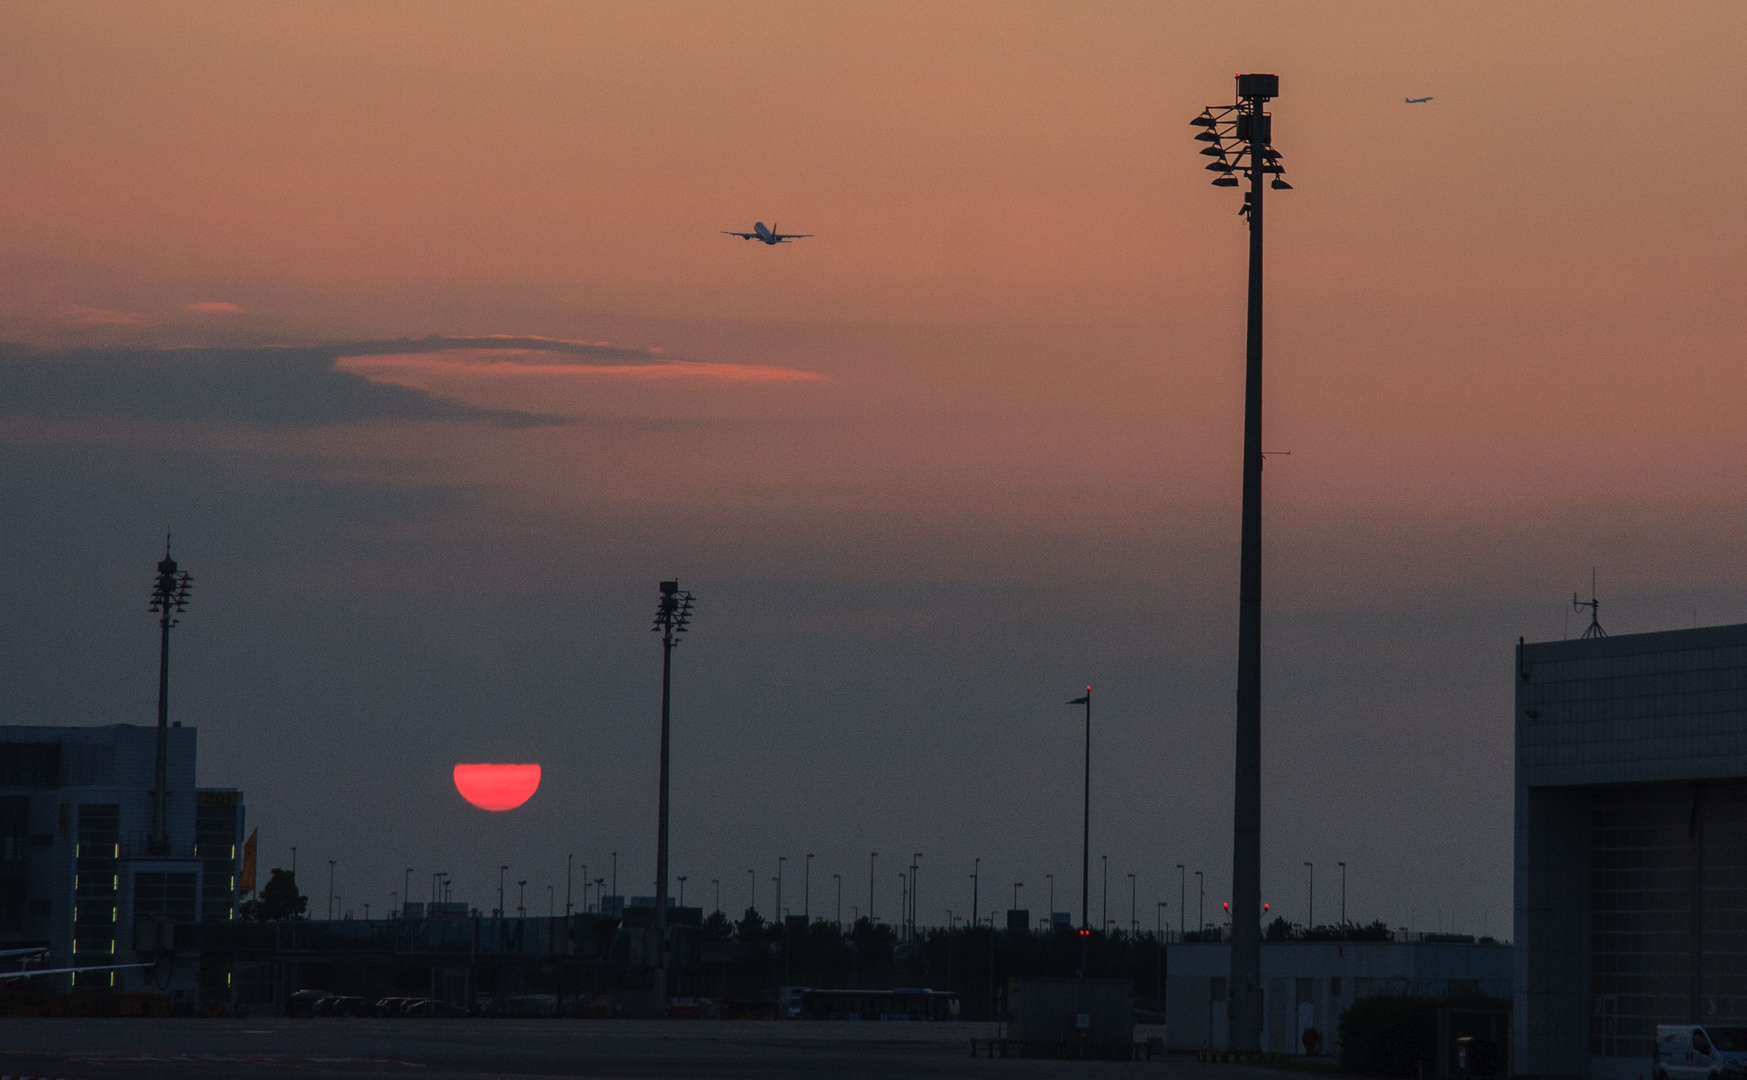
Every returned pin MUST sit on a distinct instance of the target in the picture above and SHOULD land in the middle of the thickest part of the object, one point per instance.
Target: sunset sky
(416, 324)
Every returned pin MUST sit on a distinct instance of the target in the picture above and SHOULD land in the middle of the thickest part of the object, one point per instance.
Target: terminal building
(1631, 846)
(76, 873)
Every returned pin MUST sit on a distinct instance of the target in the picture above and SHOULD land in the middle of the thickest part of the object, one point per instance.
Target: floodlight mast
(1247, 125)
(672, 617)
(169, 599)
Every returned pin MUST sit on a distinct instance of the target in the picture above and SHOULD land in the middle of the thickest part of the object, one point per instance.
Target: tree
(279, 899)
(752, 926)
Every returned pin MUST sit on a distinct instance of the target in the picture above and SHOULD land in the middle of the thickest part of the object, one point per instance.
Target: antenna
(1594, 629)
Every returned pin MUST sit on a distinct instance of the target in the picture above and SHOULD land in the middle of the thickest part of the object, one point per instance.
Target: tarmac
(347, 1049)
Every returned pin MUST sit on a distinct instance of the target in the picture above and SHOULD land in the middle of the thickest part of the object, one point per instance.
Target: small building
(1307, 984)
(76, 872)
(1631, 846)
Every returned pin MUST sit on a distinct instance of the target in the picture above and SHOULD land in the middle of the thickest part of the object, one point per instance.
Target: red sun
(497, 787)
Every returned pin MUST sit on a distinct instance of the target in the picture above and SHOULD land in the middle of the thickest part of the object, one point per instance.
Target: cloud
(81, 315)
(494, 362)
(259, 386)
(214, 307)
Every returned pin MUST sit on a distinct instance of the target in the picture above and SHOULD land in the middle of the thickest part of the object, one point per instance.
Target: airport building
(1307, 984)
(1631, 846)
(76, 873)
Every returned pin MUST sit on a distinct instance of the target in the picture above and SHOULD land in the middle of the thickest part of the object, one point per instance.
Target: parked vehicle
(1700, 1052)
(303, 1002)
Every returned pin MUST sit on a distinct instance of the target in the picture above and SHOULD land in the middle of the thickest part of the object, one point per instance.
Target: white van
(1700, 1052)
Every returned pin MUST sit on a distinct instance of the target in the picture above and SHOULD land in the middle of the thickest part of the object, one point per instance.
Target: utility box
(1072, 1018)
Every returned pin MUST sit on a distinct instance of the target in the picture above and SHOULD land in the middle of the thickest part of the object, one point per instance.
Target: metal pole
(1343, 867)
(1133, 926)
(1182, 894)
(976, 868)
(1245, 999)
(1200, 900)
(839, 878)
(661, 814)
(1310, 910)
(1086, 828)
(330, 889)
(870, 887)
(807, 887)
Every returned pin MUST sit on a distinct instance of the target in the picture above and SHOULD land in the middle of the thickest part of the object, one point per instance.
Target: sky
(416, 325)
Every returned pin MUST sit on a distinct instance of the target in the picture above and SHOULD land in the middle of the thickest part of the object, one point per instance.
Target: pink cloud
(90, 316)
(222, 307)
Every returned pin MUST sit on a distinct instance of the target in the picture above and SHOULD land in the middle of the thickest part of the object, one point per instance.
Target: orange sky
(1505, 331)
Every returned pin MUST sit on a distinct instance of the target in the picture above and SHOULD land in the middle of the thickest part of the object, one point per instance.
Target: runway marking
(232, 1059)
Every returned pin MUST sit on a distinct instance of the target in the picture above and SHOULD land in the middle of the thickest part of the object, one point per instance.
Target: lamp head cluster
(674, 613)
(170, 590)
(1237, 136)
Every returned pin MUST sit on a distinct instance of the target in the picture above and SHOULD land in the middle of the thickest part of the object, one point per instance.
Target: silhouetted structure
(1248, 126)
(81, 871)
(672, 618)
(169, 599)
(1631, 846)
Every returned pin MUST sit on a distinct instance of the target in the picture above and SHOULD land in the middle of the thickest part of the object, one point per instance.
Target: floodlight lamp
(1214, 151)
(1280, 185)
(1219, 166)
(1225, 181)
(1202, 121)
(1207, 136)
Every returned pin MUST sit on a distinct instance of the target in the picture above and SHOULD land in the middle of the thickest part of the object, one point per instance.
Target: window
(30, 765)
(94, 894)
(164, 895)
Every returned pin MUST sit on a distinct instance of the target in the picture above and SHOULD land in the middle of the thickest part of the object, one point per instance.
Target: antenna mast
(1594, 629)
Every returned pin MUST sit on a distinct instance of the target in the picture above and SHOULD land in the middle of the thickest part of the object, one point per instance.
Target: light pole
(780, 859)
(870, 888)
(915, 868)
(717, 882)
(1133, 926)
(1248, 125)
(1104, 912)
(1343, 867)
(1310, 908)
(1200, 901)
(672, 618)
(169, 599)
(839, 878)
(1182, 895)
(807, 887)
(502, 912)
(1086, 820)
(682, 890)
(330, 890)
(406, 890)
(976, 868)
(522, 899)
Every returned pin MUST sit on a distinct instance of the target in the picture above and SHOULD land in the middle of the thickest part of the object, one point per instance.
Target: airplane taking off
(766, 235)
(1418, 100)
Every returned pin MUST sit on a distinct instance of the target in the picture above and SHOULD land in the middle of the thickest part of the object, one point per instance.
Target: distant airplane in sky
(1418, 100)
(766, 234)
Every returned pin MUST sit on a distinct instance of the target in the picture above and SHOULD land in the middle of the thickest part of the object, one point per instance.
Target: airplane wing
(7, 954)
(741, 235)
(783, 238)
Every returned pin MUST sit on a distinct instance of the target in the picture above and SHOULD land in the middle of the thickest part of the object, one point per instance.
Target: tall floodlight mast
(169, 599)
(1238, 138)
(672, 617)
